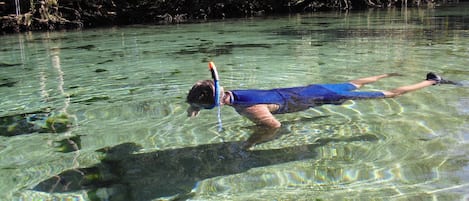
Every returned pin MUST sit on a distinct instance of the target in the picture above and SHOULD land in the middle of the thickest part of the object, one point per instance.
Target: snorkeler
(260, 105)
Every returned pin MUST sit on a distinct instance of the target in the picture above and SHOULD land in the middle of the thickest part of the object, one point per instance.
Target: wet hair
(202, 93)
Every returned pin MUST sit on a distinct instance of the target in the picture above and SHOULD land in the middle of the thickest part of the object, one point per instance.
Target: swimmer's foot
(439, 79)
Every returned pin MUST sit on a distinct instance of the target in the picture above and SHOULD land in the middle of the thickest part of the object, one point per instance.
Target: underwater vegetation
(34, 122)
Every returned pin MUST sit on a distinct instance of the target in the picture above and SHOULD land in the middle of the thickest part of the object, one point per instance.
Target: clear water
(125, 87)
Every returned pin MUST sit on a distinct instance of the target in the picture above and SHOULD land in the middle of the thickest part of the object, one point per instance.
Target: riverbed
(126, 135)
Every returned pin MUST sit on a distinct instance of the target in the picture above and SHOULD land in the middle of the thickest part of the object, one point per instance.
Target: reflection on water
(100, 114)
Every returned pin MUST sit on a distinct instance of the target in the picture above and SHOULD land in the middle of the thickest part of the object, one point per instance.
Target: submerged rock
(92, 99)
(3, 64)
(68, 145)
(100, 70)
(208, 48)
(7, 83)
(36, 122)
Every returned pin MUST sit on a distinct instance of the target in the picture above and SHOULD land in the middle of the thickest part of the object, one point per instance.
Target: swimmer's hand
(191, 112)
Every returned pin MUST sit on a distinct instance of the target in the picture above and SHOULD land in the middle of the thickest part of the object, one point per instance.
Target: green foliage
(52, 14)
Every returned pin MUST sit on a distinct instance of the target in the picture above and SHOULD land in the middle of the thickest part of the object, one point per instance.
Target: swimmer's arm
(260, 135)
(260, 115)
(267, 125)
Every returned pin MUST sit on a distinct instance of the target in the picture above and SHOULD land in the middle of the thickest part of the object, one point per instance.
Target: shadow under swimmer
(123, 175)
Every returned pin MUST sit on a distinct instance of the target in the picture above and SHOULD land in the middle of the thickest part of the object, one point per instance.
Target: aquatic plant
(58, 123)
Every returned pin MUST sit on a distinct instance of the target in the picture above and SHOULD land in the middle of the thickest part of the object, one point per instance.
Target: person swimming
(260, 105)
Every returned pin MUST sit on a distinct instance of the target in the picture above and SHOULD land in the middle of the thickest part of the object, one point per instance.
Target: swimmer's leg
(362, 81)
(353, 95)
(404, 89)
(432, 79)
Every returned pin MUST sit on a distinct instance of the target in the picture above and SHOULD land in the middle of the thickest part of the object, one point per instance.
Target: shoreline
(49, 15)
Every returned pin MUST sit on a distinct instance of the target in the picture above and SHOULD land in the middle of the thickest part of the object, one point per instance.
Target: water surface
(128, 138)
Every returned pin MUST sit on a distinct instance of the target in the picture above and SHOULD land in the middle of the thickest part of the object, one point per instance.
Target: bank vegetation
(27, 15)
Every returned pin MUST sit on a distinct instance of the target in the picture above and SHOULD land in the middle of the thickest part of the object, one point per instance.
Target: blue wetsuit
(300, 98)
